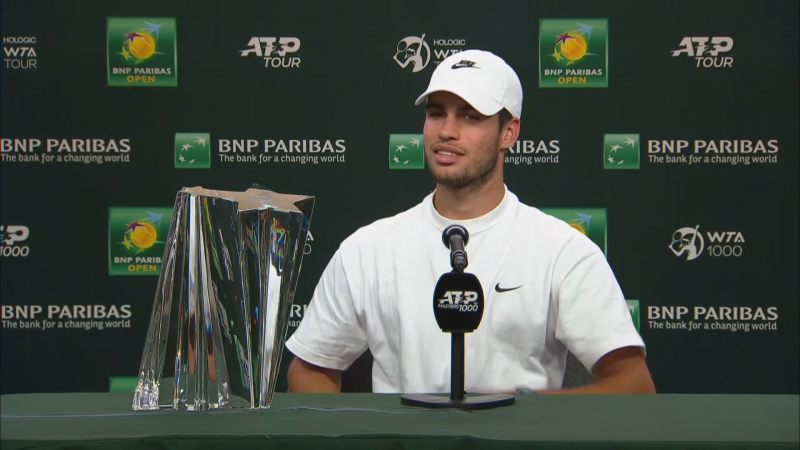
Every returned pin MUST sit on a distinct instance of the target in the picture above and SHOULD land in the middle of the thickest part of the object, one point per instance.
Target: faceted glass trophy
(221, 310)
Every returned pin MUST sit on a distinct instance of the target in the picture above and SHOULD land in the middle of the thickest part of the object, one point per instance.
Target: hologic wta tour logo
(621, 151)
(136, 238)
(590, 222)
(406, 151)
(573, 53)
(414, 52)
(192, 150)
(142, 51)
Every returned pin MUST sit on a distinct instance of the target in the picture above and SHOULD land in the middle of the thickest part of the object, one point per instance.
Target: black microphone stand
(458, 398)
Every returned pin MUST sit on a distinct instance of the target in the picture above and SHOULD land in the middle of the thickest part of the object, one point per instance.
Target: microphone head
(458, 302)
(454, 230)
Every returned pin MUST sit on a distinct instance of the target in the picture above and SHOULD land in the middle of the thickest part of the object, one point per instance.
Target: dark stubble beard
(474, 176)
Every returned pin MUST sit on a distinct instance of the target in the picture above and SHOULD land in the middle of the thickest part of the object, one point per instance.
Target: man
(548, 288)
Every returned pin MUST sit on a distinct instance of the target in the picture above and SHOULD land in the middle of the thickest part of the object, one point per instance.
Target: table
(374, 421)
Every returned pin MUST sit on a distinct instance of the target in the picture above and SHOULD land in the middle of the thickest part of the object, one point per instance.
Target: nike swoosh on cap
(464, 63)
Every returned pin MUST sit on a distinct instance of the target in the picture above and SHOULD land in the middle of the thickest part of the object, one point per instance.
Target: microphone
(458, 303)
(456, 237)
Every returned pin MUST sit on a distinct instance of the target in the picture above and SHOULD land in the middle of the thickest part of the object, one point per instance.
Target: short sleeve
(330, 334)
(593, 316)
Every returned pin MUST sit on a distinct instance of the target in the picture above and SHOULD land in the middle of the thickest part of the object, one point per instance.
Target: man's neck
(464, 203)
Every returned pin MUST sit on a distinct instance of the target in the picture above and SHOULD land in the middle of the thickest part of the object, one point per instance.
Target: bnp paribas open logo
(591, 222)
(142, 51)
(136, 238)
(633, 309)
(192, 150)
(573, 53)
(406, 151)
(621, 151)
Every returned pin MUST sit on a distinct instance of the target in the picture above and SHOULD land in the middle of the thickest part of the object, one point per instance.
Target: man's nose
(449, 128)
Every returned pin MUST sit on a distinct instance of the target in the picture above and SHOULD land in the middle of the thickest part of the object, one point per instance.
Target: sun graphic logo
(582, 223)
(141, 52)
(591, 222)
(573, 53)
(136, 239)
(571, 46)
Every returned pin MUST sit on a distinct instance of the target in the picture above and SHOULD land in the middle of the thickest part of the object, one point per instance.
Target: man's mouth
(446, 155)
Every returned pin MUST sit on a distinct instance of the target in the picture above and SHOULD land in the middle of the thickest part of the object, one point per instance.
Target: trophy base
(476, 402)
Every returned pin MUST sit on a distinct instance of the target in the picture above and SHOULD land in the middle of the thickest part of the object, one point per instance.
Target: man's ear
(509, 133)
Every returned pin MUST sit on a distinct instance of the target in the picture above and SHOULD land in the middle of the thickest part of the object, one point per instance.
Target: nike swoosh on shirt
(499, 289)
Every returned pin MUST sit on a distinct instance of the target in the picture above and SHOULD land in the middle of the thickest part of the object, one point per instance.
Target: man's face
(461, 145)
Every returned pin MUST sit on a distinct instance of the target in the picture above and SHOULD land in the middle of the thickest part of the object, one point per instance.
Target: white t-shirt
(377, 293)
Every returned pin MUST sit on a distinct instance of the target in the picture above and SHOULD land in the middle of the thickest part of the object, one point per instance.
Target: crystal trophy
(225, 291)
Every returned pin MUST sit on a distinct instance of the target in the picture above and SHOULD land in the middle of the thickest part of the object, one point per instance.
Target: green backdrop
(665, 131)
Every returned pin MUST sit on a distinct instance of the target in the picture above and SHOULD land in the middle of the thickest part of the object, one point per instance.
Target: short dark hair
(504, 116)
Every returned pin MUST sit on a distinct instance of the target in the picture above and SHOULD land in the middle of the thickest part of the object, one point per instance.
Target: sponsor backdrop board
(664, 131)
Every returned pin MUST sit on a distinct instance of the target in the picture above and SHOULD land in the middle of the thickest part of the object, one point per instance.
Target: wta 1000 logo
(689, 243)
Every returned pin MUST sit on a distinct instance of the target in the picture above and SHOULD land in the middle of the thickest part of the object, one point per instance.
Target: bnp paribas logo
(406, 151)
(621, 151)
(633, 308)
(573, 53)
(136, 238)
(142, 51)
(192, 150)
(590, 222)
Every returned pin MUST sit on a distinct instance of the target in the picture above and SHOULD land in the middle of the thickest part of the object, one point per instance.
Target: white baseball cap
(481, 78)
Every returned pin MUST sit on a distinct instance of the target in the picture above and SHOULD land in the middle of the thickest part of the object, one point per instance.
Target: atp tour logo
(689, 242)
(12, 238)
(461, 300)
(278, 52)
(706, 50)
